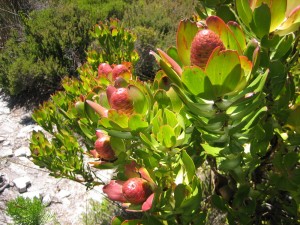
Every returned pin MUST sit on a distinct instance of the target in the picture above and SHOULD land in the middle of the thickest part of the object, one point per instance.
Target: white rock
(25, 131)
(6, 143)
(22, 183)
(31, 195)
(4, 110)
(47, 200)
(23, 151)
(6, 152)
(63, 194)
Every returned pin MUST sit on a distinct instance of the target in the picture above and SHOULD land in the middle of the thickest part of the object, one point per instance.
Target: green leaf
(151, 220)
(293, 120)
(290, 160)
(224, 78)
(185, 35)
(261, 20)
(172, 52)
(196, 81)
(136, 123)
(230, 163)
(174, 77)
(175, 100)
(217, 25)
(139, 99)
(179, 194)
(117, 145)
(238, 33)
(214, 151)
(189, 165)
(278, 77)
(117, 220)
(291, 24)
(162, 98)
(166, 136)
(244, 11)
(284, 45)
(278, 9)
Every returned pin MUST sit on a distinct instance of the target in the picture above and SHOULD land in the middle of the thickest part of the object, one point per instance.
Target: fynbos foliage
(232, 112)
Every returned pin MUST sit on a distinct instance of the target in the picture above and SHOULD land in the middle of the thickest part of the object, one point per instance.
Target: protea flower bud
(104, 149)
(136, 190)
(203, 45)
(104, 69)
(118, 70)
(119, 99)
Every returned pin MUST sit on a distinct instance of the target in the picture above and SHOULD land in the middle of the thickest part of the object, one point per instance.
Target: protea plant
(213, 78)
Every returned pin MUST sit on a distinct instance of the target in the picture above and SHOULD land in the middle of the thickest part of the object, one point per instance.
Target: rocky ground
(66, 200)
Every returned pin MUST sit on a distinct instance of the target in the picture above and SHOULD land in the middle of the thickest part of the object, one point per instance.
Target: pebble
(6, 152)
(23, 151)
(22, 183)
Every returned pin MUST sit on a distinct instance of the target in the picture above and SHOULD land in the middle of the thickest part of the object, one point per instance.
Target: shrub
(52, 47)
(161, 16)
(25, 211)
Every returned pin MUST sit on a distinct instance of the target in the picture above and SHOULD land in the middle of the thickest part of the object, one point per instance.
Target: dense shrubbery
(50, 43)
(52, 46)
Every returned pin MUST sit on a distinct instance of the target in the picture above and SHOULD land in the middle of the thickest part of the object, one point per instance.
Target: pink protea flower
(119, 71)
(104, 70)
(135, 190)
(103, 149)
(119, 99)
(203, 45)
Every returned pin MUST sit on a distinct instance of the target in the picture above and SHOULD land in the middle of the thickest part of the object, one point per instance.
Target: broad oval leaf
(261, 22)
(197, 82)
(139, 99)
(238, 33)
(224, 71)
(185, 35)
(166, 136)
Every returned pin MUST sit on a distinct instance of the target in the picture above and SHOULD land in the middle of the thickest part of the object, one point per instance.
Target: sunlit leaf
(278, 9)
(139, 99)
(224, 78)
(217, 25)
(238, 33)
(291, 24)
(197, 82)
(185, 35)
(244, 11)
(188, 165)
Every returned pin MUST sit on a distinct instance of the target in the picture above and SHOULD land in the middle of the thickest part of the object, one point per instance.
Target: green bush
(162, 16)
(25, 211)
(53, 46)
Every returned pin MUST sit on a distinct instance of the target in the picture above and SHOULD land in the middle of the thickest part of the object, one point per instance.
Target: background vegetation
(43, 41)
